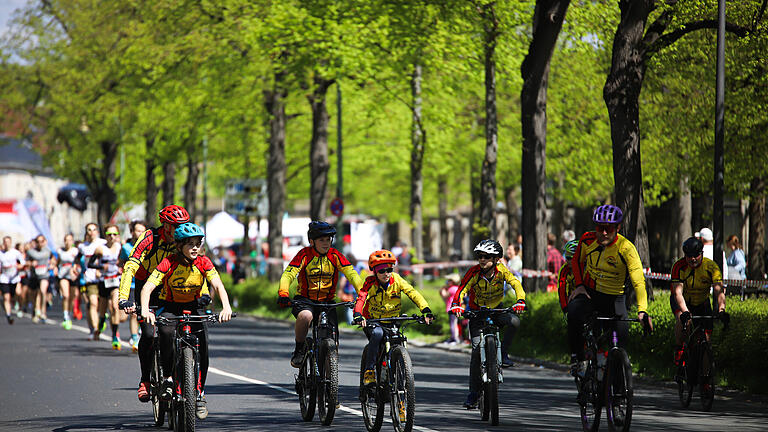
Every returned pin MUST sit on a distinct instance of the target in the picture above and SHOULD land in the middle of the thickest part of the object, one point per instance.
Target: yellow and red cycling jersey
(318, 275)
(375, 301)
(696, 281)
(183, 282)
(485, 292)
(565, 284)
(146, 254)
(606, 268)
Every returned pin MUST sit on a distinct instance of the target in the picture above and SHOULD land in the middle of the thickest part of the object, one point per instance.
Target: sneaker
(10, 319)
(297, 358)
(135, 343)
(36, 319)
(78, 314)
(369, 377)
(67, 325)
(95, 335)
(506, 361)
(471, 402)
(202, 408)
(19, 313)
(166, 392)
(104, 324)
(144, 392)
(116, 344)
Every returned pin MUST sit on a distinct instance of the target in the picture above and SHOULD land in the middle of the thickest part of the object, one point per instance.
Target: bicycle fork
(484, 365)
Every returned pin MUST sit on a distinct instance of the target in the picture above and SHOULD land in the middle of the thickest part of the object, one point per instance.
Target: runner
(137, 228)
(91, 277)
(12, 262)
(39, 261)
(106, 255)
(67, 281)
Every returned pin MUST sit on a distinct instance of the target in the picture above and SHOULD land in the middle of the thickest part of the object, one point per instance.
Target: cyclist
(67, 282)
(91, 277)
(12, 263)
(39, 261)
(107, 254)
(692, 277)
(137, 228)
(183, 277)
(483, 284)
(380, 298)
(565, 275)
(151, 248)
(317, 268)
(603, 260)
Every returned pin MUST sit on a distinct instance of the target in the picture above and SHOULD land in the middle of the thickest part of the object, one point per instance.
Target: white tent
(223, 230)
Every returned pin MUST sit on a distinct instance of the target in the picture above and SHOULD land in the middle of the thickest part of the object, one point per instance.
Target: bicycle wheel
(188, 390)
(155, 379)
(328, 390)
(305, 386)
(706, 376)
(492, 387)
(403, 400)
(482, 405)
(684, 387)
(371, 402)
(618, 390)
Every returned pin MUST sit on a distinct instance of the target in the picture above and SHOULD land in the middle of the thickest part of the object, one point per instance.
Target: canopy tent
(24, 220)
(223, 230)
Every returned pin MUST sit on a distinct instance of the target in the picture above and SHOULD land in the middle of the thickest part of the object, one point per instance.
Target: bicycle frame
(393, 336)
(489, 328)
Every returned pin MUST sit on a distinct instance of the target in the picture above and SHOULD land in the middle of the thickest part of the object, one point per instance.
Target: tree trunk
(621, 94)
(488, 176)
(513, 223)
(276, 167)
(190, 187)
(559, 207)
(756, 259)
(418, 142)
(684, 212)
(442, 211)
(548, 19)
(169, 183)
(318, 150)
(103, 182)
(151, 187)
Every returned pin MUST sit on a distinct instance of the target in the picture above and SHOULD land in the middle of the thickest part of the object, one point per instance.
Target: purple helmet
(607, 214)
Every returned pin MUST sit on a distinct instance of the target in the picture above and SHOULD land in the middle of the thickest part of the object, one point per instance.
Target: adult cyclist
(151, 248)
(692, 277)
(602, 262)
(317, 268)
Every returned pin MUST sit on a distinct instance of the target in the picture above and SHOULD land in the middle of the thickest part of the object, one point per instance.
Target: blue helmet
(570, 248)
(607, 214)
(319, 229)
(187, 230)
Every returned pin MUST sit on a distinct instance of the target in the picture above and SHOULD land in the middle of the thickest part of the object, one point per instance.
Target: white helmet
(490, 247)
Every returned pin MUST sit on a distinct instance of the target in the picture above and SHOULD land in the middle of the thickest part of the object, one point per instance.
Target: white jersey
(111, 274)
(9, 274)
(66, 262)
(87, 250)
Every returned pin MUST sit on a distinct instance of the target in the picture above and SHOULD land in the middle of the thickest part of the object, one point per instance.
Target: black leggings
(581, 308)
(167, 333)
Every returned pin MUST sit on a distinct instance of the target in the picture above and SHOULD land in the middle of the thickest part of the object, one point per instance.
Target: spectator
(708, 239)
(238, 271)
(347, 291)
(447, 292)
(515, 263)
(737, 262)
(555, 260)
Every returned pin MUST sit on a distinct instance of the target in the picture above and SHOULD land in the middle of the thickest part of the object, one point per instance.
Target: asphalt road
(57, 380)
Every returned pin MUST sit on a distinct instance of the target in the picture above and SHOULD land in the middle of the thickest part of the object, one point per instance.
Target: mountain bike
(696, 366)
(394, 377)
(607, 380)
(490, 362)
(318, 379)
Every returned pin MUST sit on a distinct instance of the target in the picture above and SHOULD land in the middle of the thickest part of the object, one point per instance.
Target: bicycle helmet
(607, 214)
(490, 247)
(173, 214)
(187, 230)
(570, 248)
(319, 229)
(381, 257)
(693, 247)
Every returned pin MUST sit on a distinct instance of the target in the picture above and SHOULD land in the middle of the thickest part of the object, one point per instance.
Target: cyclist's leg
(147, 337)
(512, 322)
(474, 363)
(618, 307)
(579, 309)
(303, 315)
(375, 335)
(333, 319)
(704, 309)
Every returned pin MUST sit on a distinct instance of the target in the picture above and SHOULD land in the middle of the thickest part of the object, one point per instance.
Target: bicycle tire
(618, 390)
(188, 389)
(328, 390)
(589, 400)
(706, 376)
(155, 379)
(403, 395)
(305, 386)
(492, 368)
(482, 405)
(371, 401)
(684, 387)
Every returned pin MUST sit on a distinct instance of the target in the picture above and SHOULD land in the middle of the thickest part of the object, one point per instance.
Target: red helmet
(381, 257)
(174, 214)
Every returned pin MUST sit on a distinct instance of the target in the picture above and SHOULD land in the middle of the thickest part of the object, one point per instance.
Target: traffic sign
(337, 206)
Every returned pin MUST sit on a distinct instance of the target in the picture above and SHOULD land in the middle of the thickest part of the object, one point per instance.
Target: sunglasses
(484, 256)
(606, 227)
(386, 270)
(113, 233)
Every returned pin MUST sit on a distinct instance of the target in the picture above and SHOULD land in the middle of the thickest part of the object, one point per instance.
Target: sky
(6, 9)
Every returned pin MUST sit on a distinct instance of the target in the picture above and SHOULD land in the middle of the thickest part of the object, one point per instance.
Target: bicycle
(394, 377)
(490, 362)
(318, 379)
(697, 366)
(607, 379)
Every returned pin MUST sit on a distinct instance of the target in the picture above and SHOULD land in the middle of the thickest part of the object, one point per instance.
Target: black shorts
(105, 292)
(332, 317)
(33, 283)
(703, 309)
(7, 288)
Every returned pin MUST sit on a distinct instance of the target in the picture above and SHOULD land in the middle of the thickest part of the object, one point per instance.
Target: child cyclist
(317, 268)
(183, 277)
(380, 298)
(484, 285)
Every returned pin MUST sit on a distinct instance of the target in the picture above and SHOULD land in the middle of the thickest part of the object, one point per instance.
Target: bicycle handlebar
(485, 311)
(419, 318)
(322, 305)
(170, 318)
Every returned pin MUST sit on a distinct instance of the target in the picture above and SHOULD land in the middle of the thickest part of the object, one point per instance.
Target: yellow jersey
(375, 301)
(696, 281)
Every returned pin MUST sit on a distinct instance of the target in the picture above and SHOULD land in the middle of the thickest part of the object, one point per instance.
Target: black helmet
(319, 229)
(693, 247)
(490, 247)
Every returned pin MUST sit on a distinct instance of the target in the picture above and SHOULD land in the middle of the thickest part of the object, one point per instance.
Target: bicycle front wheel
(155, 379)
(328, 390)
(305, 387)
(371, 402)
(403, 401)
(589, 401)
(706, 376)
(684, 387)
(618, 390)
(492, 386)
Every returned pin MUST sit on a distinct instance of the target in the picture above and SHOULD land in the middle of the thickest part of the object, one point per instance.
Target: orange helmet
(381, 257)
